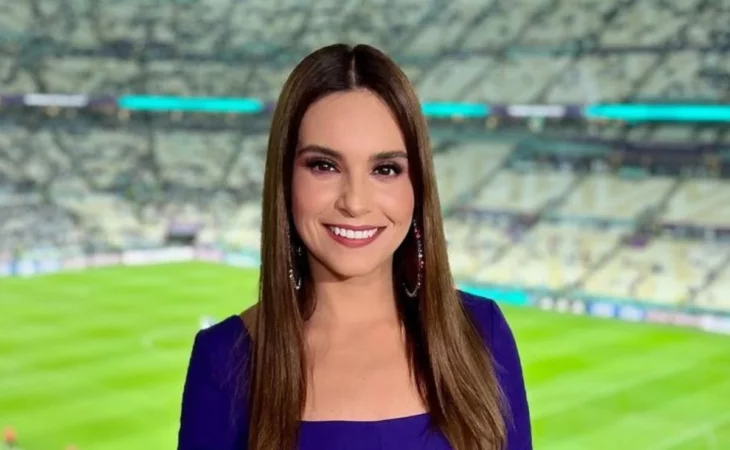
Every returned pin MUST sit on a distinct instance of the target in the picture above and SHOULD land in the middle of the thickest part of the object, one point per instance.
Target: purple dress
(213, 413)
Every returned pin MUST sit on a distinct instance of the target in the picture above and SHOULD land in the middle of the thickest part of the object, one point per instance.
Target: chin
(351, 268)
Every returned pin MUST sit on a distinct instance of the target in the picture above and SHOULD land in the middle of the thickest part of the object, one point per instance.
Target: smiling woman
(345, 184)
(360, 339)
(325, 161)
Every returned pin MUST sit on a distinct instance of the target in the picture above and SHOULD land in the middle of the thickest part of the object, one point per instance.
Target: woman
(360, 339)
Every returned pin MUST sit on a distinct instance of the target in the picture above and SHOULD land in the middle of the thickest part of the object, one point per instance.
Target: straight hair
(449, 362)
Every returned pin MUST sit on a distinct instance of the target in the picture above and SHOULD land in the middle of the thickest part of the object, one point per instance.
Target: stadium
(582, 151)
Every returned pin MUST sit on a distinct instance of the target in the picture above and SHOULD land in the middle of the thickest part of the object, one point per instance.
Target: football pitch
(97, 359)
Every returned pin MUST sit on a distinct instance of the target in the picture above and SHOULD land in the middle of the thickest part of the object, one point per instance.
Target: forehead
(351, 122)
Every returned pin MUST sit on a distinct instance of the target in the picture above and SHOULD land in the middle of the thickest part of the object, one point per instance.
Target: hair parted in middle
(447, 356)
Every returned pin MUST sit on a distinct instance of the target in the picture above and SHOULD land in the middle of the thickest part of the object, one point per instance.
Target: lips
(354, 236)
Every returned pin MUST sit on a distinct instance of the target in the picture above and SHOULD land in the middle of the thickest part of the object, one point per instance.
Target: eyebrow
(334, 154)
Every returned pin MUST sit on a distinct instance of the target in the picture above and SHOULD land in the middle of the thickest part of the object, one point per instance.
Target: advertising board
(6, 268)
(602, 309)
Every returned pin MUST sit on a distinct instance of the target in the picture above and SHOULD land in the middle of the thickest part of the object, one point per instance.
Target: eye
(321, 165)
(388, 170)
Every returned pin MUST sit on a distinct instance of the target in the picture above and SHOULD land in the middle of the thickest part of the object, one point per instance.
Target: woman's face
(352, 198)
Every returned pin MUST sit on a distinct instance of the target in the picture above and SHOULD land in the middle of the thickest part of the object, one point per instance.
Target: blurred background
(583, 155)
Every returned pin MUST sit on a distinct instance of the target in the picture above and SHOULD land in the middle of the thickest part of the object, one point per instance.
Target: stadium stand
(615, 197)
(244, 229)
(714, 295)
(553, 256)
(512, 218)
(475, 242)
(608, 218)
(520, 191)
(463, 167)
(507, 224)
(590, 232)
(582, 49)
(700, 201)
(662, 270)
(36, 226)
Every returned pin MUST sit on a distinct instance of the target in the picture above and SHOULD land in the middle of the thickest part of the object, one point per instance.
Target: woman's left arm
(509, 372)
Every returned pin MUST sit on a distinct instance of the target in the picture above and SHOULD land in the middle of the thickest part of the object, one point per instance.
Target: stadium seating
(715, 295)
(611, 196)
(463, 167)
(662, 271)
(244, 229)
(522, 191)
(553, 256)
(497, 47)
(701, 202)
(562, 213)
(109, 197)
(34, 226)
(474, 243)
(126, 186)
(582, 239)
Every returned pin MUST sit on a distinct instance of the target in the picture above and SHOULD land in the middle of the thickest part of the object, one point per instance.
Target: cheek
(301, 195)
(397, 202)
(309, 198)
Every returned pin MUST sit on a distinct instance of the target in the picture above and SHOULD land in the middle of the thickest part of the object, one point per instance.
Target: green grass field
(98, 358)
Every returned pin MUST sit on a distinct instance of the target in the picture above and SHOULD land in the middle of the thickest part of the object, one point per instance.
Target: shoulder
(223, 348)
(211, 411)
(223, 334)
(491, 324)
(479, 308)
(484, 313)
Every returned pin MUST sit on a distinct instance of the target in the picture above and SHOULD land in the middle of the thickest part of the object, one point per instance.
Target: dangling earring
(296, 282)
(419, 249)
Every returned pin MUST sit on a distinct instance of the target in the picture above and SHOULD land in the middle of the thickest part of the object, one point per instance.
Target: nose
(354, 199)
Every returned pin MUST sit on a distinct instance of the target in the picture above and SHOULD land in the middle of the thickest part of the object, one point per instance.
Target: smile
(354, 236)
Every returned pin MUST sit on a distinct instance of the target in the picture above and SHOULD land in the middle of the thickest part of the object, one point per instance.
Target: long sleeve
(509, 373)
(205, 416)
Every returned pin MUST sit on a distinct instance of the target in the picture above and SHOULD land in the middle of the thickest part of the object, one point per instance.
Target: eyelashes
(320, 165)
(389, 169)
(323, 165)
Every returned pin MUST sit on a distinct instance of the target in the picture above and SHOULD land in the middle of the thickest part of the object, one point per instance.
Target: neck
(359, 300)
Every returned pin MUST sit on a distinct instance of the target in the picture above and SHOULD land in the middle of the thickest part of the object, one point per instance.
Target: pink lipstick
(354, 236)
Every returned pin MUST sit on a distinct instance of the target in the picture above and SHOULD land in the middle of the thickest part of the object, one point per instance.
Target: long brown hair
(447, 356)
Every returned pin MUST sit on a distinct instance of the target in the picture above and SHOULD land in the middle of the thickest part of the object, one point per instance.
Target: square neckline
(401, 419)
(391, 421)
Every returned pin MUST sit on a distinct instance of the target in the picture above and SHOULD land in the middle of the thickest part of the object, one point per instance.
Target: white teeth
(352, 234)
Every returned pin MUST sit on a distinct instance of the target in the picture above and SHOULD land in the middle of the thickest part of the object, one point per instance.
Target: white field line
(693, 433)
(614, 389)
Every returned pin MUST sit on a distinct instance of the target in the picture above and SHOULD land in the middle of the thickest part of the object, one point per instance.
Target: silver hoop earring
(295, 281)
(420, 263)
